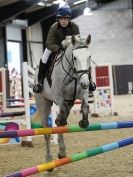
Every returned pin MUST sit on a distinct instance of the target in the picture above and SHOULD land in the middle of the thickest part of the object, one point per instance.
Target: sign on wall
(104, 93)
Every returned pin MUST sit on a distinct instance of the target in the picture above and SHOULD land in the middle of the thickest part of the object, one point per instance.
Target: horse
(70, 81)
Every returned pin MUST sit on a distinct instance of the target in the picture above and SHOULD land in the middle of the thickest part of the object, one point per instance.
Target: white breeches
(46, 55)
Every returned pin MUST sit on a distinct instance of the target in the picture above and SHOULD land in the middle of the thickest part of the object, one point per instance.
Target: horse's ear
(73, 40)
(88, 40)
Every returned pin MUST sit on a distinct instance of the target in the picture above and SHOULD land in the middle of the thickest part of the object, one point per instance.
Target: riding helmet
(63, 12)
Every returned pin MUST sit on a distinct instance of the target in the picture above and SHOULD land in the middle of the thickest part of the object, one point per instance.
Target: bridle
(73, 73)
(81, 72)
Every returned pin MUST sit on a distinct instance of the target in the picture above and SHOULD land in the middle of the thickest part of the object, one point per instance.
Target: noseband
(81, 72)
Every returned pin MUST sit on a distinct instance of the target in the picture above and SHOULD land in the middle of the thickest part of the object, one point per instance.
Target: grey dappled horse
(70, 81)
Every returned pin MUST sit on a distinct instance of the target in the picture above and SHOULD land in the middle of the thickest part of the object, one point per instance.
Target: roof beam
(39, 15)
(11, 10)
(46, 12)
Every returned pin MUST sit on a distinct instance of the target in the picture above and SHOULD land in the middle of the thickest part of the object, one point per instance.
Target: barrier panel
(10, 126)
(103, 96)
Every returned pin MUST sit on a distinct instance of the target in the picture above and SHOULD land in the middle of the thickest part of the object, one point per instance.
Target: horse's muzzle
(84, 81)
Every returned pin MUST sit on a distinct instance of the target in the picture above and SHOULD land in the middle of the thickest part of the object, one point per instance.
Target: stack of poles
(74, 157)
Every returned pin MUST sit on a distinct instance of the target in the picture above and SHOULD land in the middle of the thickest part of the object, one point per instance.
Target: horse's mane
(78, 40)
(68, 39)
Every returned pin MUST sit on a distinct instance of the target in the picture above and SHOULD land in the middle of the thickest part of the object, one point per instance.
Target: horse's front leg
(64, 111)
(85, 111)
(61, 120)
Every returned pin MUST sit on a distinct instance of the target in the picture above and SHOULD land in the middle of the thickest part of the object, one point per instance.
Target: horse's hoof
(60, 122)
(83, 123)
(81, 111)
(57, 122)
(60, 156)
(64, 122)
(27, 143)
(47, 161)
(50, 170)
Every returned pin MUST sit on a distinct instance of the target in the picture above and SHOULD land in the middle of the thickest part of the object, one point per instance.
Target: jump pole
(11, 114)
(66, 129)
(75, 157)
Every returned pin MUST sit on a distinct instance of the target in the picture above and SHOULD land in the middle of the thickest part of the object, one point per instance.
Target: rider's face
(64, 21)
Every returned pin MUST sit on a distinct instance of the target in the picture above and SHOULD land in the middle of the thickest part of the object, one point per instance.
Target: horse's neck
(63, 66)
(67, 60)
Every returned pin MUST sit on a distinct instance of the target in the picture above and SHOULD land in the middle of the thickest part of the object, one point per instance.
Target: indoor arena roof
(31, 10)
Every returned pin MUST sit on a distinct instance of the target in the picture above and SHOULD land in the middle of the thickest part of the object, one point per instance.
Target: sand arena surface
(115, 163)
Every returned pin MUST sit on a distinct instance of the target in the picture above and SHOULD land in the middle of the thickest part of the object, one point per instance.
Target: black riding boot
(41, 74)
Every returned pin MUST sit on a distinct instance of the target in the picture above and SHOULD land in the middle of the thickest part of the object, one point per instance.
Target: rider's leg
(42, 71)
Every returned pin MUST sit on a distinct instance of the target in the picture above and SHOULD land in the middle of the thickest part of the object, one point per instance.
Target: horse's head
(81, 59)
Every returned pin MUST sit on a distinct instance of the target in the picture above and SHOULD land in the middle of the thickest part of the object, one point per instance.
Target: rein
(72, 73)
(74, 76)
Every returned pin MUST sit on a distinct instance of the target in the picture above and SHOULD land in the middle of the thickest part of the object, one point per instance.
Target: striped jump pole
(66, 129)
(73, 158)
(15, 99)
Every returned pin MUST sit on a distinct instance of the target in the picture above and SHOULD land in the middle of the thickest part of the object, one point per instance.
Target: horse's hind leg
(47, 137)
(44, 108)
(61, 121)
(62, 147)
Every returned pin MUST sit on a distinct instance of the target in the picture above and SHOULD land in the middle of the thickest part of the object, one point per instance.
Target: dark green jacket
(57, 34)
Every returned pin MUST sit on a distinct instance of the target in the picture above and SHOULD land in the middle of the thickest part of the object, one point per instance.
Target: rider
(58, 32)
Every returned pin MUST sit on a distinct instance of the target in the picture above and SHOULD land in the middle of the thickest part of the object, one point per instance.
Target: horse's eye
(74, 58)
